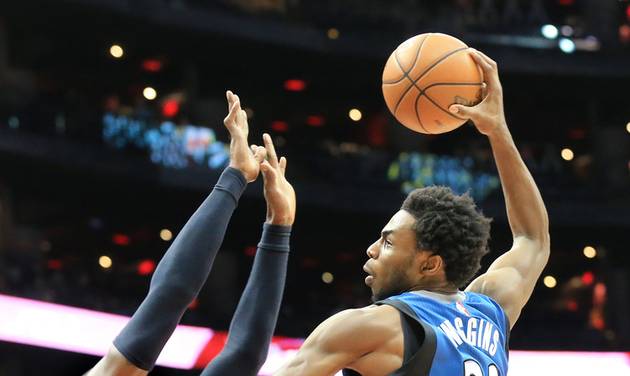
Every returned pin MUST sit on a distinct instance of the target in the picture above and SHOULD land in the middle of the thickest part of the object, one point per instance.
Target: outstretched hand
(279, 193)
(241, 156)
(487, 115)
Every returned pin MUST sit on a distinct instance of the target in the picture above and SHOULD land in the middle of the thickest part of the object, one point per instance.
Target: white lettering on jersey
(478, 332)
(451, 333)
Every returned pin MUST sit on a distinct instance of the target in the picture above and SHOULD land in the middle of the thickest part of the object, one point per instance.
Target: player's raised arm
(255, 318)
(184, 268)
(511, 278)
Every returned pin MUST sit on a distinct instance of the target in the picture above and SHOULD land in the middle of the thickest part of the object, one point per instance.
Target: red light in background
(194, 304)
(152, 65)
(121, 239)
(577, 134)
(315, 121)
(628, 12)
(54, 264)
(624, 33)
(146, 267)
(566, 2)
(250, 251)
(280, 126)
(572, 305)
(588, 278)
(170, 108)
(294, 85)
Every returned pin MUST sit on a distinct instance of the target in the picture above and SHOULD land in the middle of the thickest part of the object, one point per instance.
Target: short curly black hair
(451, 226)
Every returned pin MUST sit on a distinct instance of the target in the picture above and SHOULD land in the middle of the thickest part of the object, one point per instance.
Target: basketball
(424, 76)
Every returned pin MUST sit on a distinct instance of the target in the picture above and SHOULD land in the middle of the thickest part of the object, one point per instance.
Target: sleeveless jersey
(464, 334)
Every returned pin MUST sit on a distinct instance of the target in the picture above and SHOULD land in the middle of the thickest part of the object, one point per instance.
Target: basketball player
(184, 268)
(421, 323)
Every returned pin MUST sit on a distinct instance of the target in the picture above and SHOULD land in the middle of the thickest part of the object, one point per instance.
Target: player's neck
(440, 287)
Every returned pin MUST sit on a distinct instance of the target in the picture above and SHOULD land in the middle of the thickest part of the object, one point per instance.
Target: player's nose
(372, 250)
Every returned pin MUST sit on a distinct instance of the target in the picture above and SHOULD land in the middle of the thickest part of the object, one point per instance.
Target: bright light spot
(295, 85)
(566, 45)
(549, 31)
(566, 30)
(149, 93)
(105, 262)
(550, 281)
(628, 127)
(355, 114)
(116, 51)
(166, 234)
(333, 33)
(567, 154)
(327, 277)
(590, 252)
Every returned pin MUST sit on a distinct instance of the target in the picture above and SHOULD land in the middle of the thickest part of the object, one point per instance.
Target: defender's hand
(279, 193)
(488, 115)
(241, 156)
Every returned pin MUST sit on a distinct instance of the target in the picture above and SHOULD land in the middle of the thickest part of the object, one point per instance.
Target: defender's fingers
(230, 98)
(260, 154)
(271, 150)
(283, 165)
(231, 117)
(268, 173)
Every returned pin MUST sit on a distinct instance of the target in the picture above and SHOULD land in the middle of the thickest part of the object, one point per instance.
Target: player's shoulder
(370, 324)
(369, 317)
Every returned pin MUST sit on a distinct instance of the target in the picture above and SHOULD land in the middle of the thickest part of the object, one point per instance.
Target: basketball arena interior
(111, 134)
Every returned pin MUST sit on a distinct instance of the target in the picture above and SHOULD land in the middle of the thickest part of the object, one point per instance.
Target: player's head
(437, 239)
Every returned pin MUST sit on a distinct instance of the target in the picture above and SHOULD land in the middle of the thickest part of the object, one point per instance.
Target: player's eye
(387, 243)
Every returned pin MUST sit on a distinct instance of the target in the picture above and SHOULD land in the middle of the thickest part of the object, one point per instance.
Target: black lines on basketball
(415, 61)
(418, 113)
(440, 108)
(427, 70)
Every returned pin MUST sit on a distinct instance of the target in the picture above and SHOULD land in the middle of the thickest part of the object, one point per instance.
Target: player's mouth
(370, 278)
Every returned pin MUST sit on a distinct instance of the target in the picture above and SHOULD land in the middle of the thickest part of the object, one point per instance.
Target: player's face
(393, 258)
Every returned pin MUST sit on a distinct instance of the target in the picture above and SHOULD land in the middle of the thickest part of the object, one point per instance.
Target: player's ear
(432, 264)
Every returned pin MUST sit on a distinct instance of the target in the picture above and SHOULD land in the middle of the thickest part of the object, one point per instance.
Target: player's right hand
(279, 193)
(241, 156)
(488, 116)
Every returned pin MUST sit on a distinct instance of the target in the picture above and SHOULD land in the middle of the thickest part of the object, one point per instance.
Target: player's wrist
(280, 220)
(497, 128)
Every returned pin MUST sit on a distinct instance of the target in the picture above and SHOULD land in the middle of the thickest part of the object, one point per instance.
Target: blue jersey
(464, 334)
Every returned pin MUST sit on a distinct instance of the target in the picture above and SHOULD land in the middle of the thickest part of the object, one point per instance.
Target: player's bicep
(511, 278)
(334, 344)
(115, 364)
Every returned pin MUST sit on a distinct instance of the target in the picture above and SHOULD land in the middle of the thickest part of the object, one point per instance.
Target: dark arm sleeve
(180, 274)
(257, 312)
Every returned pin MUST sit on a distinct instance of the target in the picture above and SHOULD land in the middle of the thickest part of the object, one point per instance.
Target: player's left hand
(279, 193)
(488, 115)
(241, 156)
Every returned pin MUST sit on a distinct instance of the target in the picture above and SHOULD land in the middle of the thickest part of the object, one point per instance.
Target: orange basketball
(424, 76)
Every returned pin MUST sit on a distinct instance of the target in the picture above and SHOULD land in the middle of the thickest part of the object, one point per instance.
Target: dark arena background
(111, 134)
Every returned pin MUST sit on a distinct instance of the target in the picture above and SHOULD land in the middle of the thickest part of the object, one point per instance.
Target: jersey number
(472, 368)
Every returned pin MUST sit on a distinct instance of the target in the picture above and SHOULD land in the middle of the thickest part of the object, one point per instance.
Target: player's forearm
(255, 318)
(525, 208)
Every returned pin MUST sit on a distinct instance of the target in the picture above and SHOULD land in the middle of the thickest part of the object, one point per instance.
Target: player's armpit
(345, 338)
(511, 278)
(115, 364)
